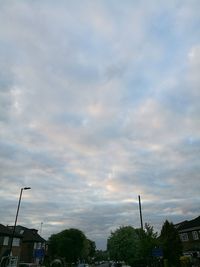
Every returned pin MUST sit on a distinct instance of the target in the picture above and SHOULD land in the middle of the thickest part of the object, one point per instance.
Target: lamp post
(13, 233)
(140, 209)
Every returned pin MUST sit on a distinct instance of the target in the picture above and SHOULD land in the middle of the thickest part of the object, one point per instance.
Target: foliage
(130, 245)
(171, 243)
(92, 248)
(89, 250)
(71, 244)
(101, 255)
(123, 244)
(185, 261)
(148, 241)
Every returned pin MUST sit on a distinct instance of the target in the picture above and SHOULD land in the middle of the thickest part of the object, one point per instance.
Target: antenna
(41, 228)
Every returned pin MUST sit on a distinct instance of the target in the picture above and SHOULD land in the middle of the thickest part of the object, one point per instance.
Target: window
(37, 245)
(16, 242)
(5, 241)
(184, 237)
(195, 235)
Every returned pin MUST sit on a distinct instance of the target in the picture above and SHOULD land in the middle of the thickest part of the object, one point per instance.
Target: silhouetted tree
(171, 243)
(70, 244)
(92, 248)
(101, 255)
(147, 241)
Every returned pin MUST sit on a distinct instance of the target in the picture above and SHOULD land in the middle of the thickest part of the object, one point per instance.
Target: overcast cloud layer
(99, 103)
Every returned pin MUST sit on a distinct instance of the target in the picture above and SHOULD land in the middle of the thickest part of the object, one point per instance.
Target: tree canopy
(123, 244)
(71, 244)
(130, 245)
(171, 243)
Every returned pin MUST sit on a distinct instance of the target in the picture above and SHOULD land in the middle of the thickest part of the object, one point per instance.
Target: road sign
(39, 253)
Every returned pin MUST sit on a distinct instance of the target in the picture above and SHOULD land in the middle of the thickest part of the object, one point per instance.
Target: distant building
(189, 232)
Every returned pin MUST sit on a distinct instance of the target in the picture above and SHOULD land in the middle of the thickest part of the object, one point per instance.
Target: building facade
(32, 245)
(5, 242)
(6, 237)
(28, 246)
(189, 232)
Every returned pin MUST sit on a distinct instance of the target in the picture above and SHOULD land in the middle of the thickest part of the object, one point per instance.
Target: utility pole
(140, 208)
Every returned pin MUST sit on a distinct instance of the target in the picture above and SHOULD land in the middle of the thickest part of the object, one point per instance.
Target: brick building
(28, 245)
(32, 245)
(5, 242)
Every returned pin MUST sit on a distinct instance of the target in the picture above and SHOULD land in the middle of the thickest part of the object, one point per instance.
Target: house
(32, 245)
(189, 232)
(5, 242)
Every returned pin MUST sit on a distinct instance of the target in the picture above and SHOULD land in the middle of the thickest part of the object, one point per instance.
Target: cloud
(99, 103)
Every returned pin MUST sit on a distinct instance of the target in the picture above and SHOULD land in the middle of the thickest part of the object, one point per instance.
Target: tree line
(138, 247)
(133, 246)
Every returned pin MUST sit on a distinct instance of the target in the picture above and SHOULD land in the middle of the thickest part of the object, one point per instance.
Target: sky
(99, 103)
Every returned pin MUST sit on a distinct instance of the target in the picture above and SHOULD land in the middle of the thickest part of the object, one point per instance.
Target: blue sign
(157, 252)
(39, 253)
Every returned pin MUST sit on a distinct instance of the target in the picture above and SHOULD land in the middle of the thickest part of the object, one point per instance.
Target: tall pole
(13, 233)
(140, 208)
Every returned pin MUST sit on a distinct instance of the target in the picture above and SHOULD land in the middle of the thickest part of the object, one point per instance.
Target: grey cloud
(5, 97)
(98, 106)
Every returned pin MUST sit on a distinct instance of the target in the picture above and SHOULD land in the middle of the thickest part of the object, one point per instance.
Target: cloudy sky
(99, 103)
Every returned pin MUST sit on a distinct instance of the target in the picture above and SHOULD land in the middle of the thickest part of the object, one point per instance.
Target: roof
(188, 225)
(6, 231)
(29, 235)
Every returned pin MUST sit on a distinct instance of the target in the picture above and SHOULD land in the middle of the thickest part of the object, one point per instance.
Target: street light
(13, 233)
(140, 208)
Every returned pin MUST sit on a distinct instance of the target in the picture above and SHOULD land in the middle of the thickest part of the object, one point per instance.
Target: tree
(92, 248)
(123, 244)
(89, 250)
(101, 255)
(131, 245)
(70, 244)
(171, 243)
(147, 241)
